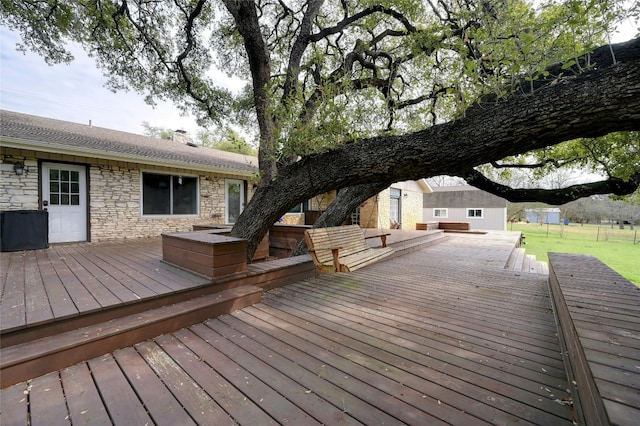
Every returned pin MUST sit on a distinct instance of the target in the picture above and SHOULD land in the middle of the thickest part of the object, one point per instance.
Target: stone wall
(114, 195)
(18, 192)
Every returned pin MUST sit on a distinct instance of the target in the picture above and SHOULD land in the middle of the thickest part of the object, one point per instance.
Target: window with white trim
(441, 213)
(169, 195)
(475, 213)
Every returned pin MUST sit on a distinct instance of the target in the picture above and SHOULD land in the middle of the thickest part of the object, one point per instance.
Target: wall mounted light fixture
(18, 168)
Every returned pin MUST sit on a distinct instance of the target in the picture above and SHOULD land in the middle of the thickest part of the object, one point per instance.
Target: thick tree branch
(592, 104)
(552, 196)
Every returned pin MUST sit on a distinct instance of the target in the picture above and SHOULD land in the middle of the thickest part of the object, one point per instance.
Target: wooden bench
(343, 248)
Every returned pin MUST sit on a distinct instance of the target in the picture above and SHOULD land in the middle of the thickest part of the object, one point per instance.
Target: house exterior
(100, 184)
(398, 206)
(465, 203)
(549, 215)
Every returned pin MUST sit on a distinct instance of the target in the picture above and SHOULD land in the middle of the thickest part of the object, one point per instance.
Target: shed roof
(42, 134)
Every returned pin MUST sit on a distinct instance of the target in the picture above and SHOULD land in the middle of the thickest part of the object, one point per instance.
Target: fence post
(598, 234)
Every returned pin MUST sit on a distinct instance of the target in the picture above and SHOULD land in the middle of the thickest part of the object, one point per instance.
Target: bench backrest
(350, 239)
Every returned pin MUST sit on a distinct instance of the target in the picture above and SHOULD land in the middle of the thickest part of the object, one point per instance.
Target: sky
(76, 92)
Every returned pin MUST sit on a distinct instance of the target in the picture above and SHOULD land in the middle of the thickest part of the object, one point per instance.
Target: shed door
(64, 195)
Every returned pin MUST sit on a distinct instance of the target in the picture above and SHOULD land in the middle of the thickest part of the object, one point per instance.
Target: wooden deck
(599, 320)
(442, 335)
(66, 281)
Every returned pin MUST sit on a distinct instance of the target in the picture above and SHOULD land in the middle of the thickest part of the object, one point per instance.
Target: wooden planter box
(262, 251)
(283, 239)
(212, 255)
(456, 226)
(428, 226)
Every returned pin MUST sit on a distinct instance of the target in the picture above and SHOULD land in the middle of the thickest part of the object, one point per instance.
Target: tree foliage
(353, 93)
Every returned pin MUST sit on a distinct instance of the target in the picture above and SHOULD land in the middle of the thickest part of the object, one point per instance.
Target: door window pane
(64, 175)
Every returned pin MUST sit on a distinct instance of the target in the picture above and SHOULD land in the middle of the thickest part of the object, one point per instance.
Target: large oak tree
(355, 95)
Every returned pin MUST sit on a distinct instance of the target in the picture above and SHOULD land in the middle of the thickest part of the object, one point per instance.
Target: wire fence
(597, 233)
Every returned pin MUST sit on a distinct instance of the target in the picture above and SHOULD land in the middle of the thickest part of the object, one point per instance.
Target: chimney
(182, 137)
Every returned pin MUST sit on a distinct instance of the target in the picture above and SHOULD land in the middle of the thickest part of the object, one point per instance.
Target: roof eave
(54, 148)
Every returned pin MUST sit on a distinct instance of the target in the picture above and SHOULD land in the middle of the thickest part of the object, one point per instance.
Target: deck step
(407, 246)
(34, 358)
(516, 259)
(519, 260)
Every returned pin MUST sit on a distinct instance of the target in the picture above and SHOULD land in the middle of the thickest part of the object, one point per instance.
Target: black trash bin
(24, 230)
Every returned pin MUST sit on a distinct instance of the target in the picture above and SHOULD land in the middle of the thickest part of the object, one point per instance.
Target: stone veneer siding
(410, 209)
(114, 195)
(18, 192)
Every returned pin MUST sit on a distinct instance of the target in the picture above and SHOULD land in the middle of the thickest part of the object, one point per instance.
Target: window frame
(172, 176)
(444, 216)
(300, 208)
(475, 210)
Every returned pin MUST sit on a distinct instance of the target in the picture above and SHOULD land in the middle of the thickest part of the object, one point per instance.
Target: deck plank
(359, 399)
(83, 399)
(14, 405)
(281, 375)
(37, 306)
(82, 271)
(13, 314)
(122, 274)
(153, 270)
(347, 408)
(47, 401)
(59, 300)
(277, 407)
(118, 292)
(81, 297)
(200, 360)
(163, 407)
(120, 399)
(203, 409)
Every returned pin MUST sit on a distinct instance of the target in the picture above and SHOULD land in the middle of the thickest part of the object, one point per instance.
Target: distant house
(543, 215)
(100, 184)
(464, 203)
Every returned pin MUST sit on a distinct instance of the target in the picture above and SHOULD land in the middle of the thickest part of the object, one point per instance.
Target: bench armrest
(383, 238)
(335, 251)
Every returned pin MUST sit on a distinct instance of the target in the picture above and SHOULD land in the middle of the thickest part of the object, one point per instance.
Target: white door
(234, 195)
(64, 195)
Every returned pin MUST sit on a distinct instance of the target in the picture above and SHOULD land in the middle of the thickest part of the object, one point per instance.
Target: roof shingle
(45, 134)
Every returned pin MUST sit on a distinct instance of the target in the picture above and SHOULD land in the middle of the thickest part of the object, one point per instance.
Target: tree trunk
(342, 206)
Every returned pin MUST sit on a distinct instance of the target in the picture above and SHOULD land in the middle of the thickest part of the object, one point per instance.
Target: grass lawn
(615, 247)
